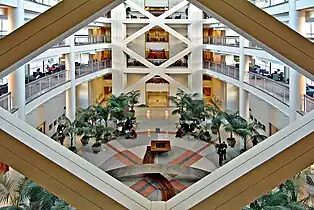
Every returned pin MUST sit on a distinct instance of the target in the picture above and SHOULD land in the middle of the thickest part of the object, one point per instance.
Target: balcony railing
(233, 41)
(308, 103)
(42, 85)
(274, 88)
(228, 70)
(264, 4)
(277, 89)
(254, 45)
(60, 44)
(6, 101)
(45, 84)
(83, 70)
(86, 39)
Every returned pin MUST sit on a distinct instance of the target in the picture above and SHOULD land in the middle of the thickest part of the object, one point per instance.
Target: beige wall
(97, 90)
(218, 92)
(181, 78)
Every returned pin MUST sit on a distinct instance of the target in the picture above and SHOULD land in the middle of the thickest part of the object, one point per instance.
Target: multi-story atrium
(157, 105)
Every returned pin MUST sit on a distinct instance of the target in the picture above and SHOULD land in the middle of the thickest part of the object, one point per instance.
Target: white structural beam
(139, 82)
(176, 57)
(139, 9)
(174, 9)
(173, 81)
(176, 34)
(138, 57)
(138, 33)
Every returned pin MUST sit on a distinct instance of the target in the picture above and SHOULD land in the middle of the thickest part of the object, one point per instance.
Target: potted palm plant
(133, 98)
(247, 130)
(232, 122)
(217, 120)
(118, 106)
(19, 193)
(182, 101)
(70, 131)
(99, 135)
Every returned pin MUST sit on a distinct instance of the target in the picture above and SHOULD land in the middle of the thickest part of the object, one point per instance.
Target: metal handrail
(228, 70)
(308, 103)
(274, 88)
(42, 85)
(6, 101)
(88, 39)
(233, 41)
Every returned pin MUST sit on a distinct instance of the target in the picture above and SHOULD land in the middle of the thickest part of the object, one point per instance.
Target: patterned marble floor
(185, 152)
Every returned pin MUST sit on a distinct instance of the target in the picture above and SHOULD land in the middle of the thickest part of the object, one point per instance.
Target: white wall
(82, 58)
(138, 44)
(176, 45)
(231, 97)
(48, 112)
(82, 97)
(229, 59)
(265, 114)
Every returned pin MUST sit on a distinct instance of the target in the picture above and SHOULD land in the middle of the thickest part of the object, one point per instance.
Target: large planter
(96, 147)
(231, 142)
(84, 140)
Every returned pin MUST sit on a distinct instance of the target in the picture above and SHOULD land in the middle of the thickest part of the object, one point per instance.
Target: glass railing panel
(228, 70)
(277, 89)
(308, 103)
(86, 39)
(60, 44)
(46, 2)
(84, 69)
(6, 101)
(264, 4)
(254, 45)
(40, 86)
(233, 41)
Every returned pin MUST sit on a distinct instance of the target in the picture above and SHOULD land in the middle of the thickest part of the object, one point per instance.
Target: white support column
(89, 90)
(118, 33)
(244, 107)
(243, 77)
(231, 97)
(70, 93)
(16, 80)
(297, 82)
(195, 33)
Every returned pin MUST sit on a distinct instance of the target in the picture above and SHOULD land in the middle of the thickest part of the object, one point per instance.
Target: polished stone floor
(188, 161)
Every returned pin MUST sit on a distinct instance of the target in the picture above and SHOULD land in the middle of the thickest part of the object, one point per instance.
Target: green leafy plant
(133, 96)
(119, 105)
(22, 193)
(247, 130)
(232, 122)
(217, 117)
(183, 102)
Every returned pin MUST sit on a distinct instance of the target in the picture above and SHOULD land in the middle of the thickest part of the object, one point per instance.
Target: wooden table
(160, 146)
